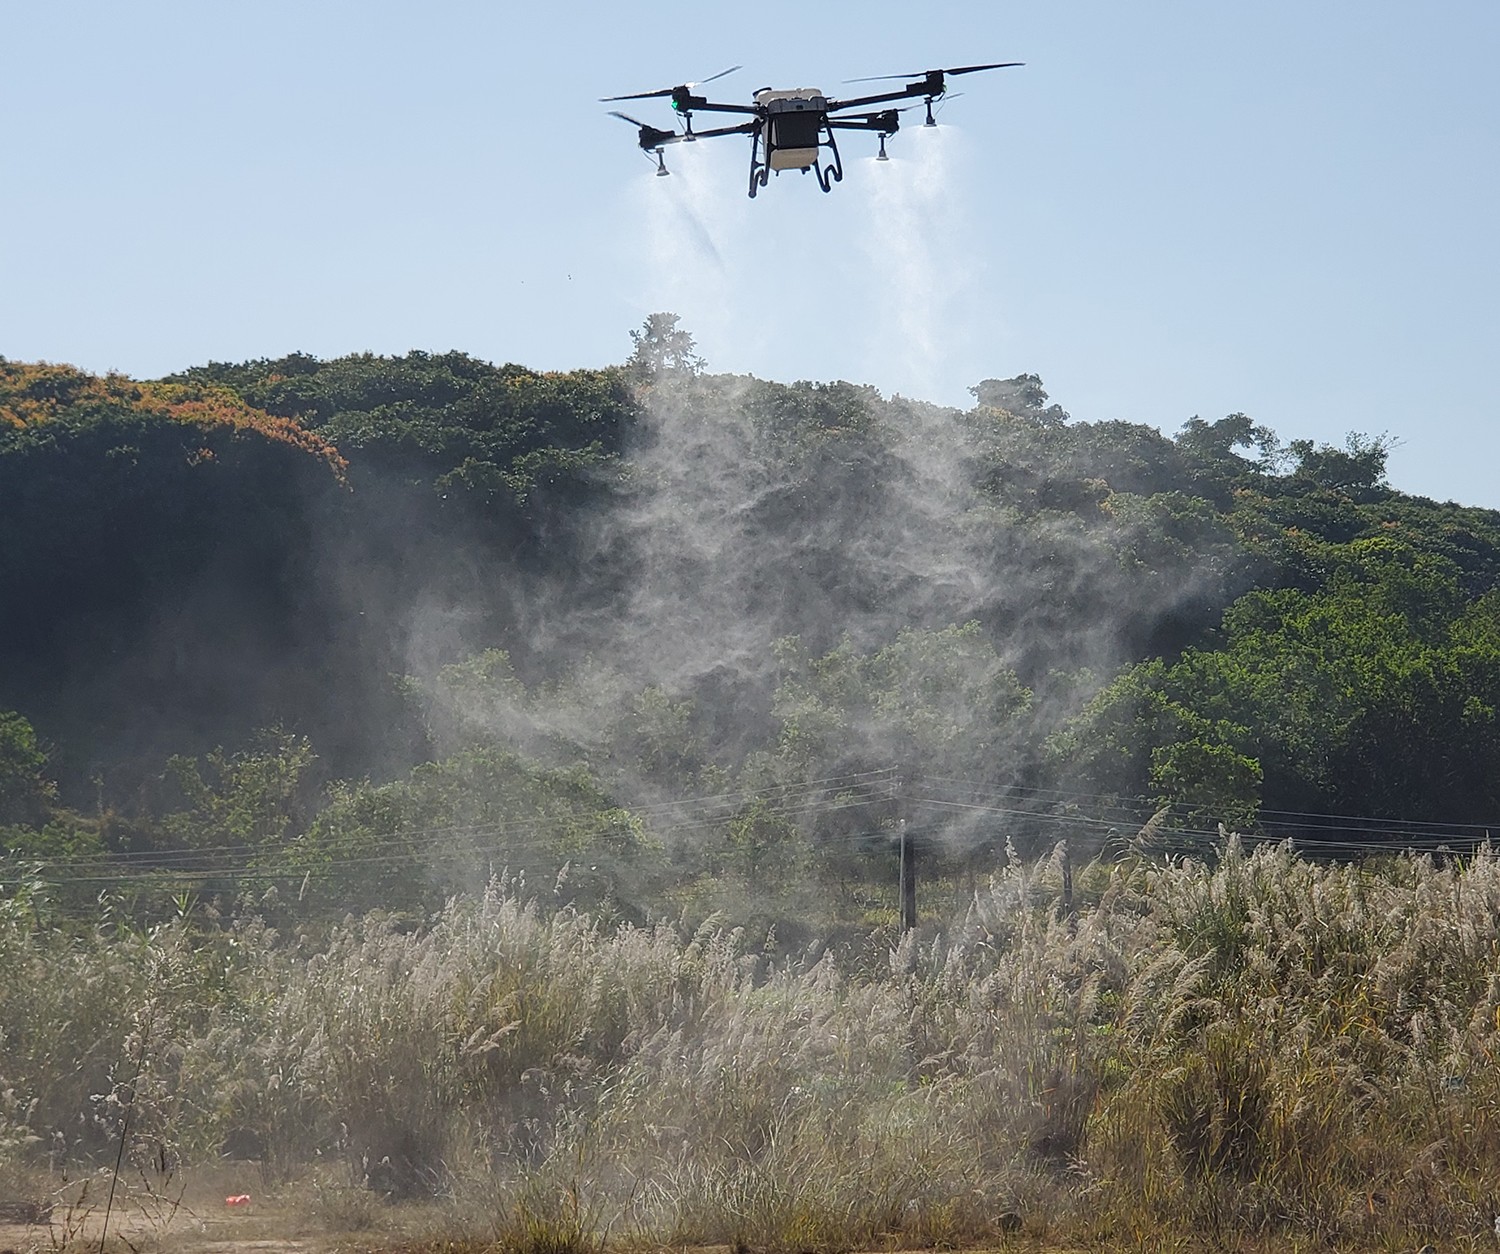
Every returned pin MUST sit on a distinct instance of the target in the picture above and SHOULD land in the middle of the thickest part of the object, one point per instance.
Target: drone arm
(906, 93)
(708, 106)
(877, 122)
(745, 128)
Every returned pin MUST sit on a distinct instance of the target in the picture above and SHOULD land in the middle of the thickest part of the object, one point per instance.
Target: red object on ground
(239, 1199)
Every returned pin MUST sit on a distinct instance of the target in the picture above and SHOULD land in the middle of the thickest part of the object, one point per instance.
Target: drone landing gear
(829, 175)
(661, 165)
(760, 171)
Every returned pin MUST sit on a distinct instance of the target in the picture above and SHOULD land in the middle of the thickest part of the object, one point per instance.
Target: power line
(525, 838)
(1352, 822)
(522, 837)
(788, 800)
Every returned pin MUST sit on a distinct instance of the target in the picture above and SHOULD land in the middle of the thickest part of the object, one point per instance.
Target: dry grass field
(1252, 1052)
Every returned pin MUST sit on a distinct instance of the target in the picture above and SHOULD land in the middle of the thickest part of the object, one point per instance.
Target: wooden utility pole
(908, 878)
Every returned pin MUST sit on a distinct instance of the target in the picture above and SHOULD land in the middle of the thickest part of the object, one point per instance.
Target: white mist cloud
(692, 224)
(881, 281)
(726, 540)
(915, 239)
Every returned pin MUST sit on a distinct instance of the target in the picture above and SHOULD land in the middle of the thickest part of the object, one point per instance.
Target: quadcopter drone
(790, 129)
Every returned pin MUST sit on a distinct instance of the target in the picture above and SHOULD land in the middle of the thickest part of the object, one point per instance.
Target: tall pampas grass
(1250, 1044)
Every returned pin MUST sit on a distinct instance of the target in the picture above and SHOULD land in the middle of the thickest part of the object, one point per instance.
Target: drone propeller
(625, 117)
(720, 74)
(670, 91)
(997, 65)
(962, 69)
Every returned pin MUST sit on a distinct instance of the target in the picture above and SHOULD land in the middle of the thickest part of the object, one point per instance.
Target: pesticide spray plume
(912, 232)
(688, 225)
(760, 528)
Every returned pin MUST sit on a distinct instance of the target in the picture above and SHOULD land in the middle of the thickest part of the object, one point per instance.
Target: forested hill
(311, 605)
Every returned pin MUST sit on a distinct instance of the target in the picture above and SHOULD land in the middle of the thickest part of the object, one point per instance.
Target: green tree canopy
(662, 345)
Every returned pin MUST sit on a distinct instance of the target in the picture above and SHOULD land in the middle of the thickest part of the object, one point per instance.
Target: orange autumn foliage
(35, 393)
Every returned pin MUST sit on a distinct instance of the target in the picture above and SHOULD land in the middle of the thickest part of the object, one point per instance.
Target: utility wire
(1352, 822)
(532, 837)
(521, 838)
(864, 788)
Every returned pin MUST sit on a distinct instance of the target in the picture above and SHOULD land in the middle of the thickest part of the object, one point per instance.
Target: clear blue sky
(1281, 208)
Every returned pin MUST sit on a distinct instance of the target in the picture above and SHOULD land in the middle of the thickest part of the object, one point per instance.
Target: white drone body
(795, 121)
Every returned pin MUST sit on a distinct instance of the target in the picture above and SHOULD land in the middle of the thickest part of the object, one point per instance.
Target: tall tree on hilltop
(661, 345)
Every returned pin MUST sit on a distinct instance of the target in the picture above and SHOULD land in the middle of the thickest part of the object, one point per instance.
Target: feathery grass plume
(1250, 1045)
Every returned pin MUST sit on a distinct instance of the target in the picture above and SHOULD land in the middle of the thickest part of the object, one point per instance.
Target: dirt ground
(201, 1223)
(191, 1215)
